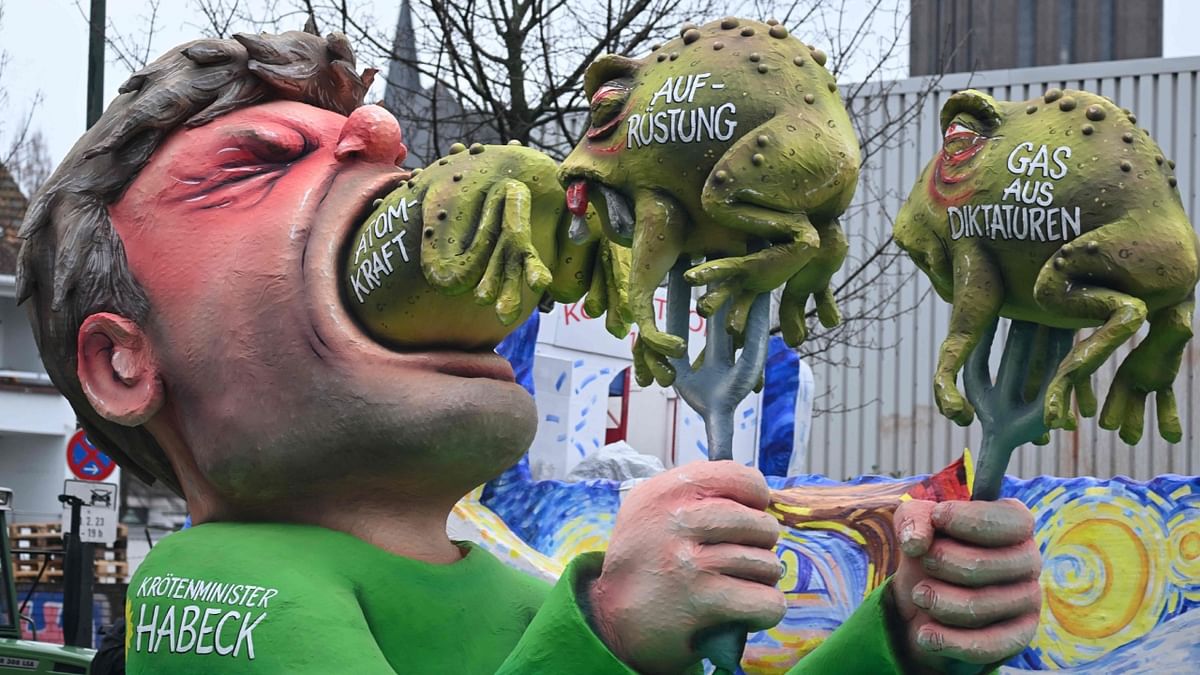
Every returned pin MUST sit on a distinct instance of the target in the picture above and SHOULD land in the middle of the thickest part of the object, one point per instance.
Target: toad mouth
(617, 214)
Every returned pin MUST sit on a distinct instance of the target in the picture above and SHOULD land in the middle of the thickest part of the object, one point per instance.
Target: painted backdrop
(1121, 571)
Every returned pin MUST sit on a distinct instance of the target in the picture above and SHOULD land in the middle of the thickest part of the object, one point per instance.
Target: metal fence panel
(880, 416)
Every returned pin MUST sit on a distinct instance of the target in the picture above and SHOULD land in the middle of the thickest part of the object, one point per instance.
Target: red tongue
(577, 198)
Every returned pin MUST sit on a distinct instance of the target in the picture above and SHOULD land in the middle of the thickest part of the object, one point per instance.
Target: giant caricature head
(181, 268)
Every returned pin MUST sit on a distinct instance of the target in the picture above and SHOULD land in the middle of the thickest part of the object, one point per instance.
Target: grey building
(35, 421)
(431, 118)
(954, 36)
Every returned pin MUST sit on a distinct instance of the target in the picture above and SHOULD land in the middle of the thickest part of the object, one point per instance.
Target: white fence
(886, 420)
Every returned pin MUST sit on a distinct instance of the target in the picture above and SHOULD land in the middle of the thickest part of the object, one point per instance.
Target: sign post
(77, 588)
(98, 510)
(85, 460)
(90, 511)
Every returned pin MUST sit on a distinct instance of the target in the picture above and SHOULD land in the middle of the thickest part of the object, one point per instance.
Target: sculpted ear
(118, 369)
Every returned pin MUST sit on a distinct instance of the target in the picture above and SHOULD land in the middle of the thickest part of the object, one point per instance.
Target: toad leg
(787, 206)
(1151, 369)
(608, 293)
(657, 245)
(1091, 279)
(595, 267)
(739, 280)
(978, 295)
(813, 281)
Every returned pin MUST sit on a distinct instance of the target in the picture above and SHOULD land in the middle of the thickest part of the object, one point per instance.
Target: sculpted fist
(691, 550)
(967, 585)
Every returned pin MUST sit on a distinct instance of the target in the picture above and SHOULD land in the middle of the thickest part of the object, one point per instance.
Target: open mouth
(481, 364)
(953, 164)
(614, 208)
(336, 332)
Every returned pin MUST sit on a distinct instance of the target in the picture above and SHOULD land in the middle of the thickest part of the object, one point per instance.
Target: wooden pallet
(107, 572)
(110, 561)
(49, 535)
(53, 532)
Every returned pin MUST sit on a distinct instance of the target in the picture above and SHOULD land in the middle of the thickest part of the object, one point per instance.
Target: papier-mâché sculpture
(1058, 211)
(188, 273)
(729, 143)
(476, 225)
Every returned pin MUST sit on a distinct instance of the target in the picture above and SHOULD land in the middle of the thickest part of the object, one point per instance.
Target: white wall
(18, 351)
(35, 421)
(40, 411)
(651, 416)
(572, 400)
(32, 467)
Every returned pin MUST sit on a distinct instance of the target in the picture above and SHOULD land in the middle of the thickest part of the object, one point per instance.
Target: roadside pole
(77, 581)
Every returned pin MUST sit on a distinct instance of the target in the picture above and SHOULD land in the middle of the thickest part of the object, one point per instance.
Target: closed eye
(267, 145)
(246, 186)
(607, 107)
(248, 166)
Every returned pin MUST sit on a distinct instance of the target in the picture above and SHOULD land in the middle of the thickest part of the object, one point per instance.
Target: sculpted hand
(691, 550)
(967, 586)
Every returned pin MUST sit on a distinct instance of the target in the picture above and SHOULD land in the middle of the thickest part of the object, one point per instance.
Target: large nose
(371, 134)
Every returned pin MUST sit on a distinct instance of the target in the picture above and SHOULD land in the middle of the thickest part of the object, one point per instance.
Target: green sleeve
(860, 645)
(559, 639)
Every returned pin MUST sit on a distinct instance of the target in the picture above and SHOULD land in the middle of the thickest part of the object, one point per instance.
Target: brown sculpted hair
(72, 263)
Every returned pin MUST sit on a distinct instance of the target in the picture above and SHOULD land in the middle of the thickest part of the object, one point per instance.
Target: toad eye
(961, 142)
(607, 106)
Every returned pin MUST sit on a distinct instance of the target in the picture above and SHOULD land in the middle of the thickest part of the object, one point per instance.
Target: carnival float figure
(1061, 214)
(192, 271)
(728, 143)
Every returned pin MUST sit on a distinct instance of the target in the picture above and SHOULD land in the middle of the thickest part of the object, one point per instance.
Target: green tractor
(25, 657)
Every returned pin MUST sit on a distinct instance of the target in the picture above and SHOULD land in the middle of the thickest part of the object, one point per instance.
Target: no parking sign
(86, 461)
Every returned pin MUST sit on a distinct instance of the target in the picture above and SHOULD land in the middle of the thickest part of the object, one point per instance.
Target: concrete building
(955, 36)
(35, 421)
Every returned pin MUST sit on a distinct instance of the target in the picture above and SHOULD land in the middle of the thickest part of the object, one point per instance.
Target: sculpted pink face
(234, 230)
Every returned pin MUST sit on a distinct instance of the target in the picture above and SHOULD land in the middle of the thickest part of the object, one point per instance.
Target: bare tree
(522, 63)
(24, 162)
(489, 70)
(29, 162)
(130, 46)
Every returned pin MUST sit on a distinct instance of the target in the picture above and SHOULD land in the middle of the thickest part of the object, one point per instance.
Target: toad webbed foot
(1151, 369)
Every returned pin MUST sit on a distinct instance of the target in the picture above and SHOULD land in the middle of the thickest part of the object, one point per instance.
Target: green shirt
(295, 599)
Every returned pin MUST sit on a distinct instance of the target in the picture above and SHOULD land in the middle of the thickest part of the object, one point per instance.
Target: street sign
(99, 513)
(86, 461)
